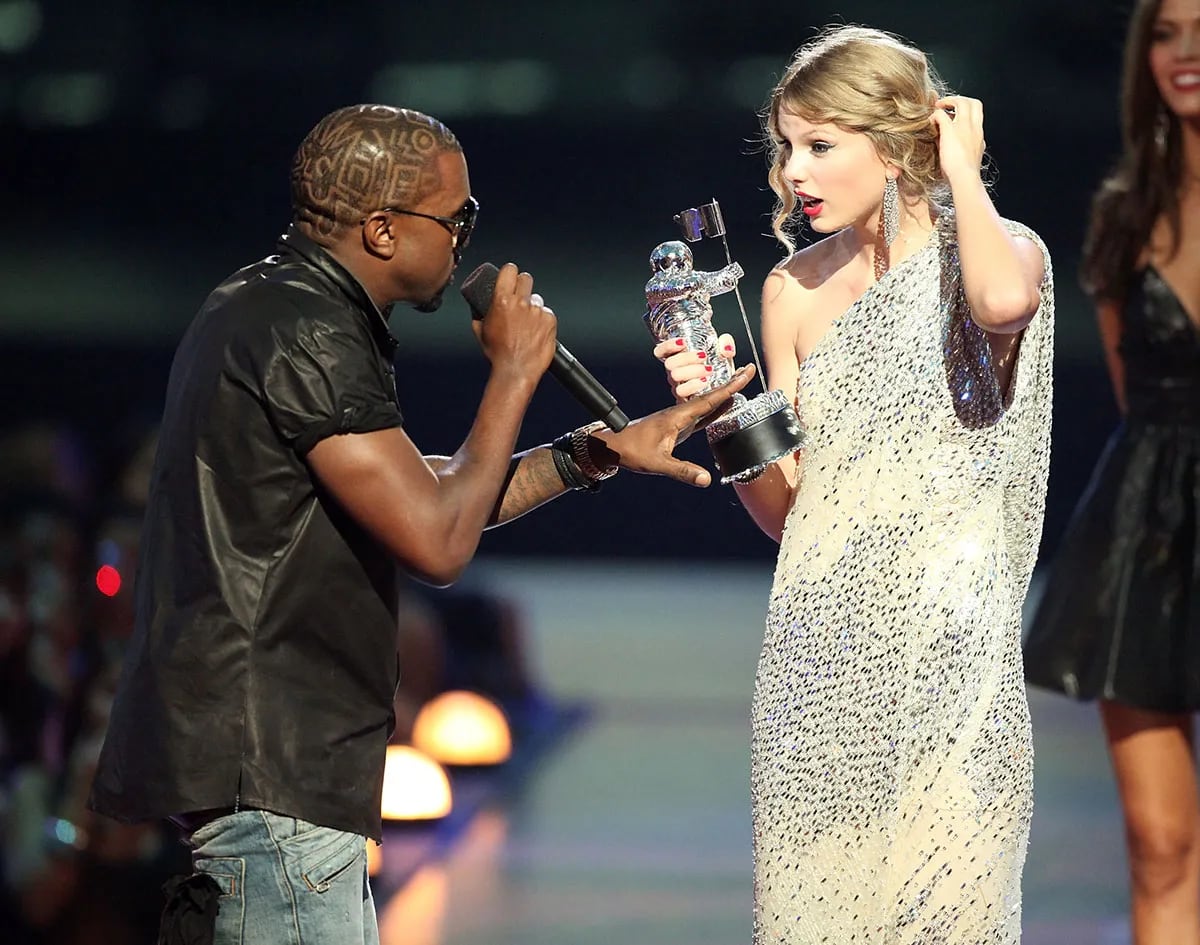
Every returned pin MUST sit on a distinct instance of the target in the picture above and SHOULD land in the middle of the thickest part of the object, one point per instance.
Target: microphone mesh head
(479, 287)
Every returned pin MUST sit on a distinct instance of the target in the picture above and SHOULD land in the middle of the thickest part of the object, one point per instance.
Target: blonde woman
(891, 757)
(1120, 619)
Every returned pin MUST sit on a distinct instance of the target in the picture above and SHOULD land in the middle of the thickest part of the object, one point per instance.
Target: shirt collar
(320, 259)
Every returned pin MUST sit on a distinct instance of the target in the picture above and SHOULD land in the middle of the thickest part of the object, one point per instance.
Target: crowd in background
(69, 528)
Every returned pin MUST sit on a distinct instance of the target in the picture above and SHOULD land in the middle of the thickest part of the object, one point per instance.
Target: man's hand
(648, 445)
(518, 333)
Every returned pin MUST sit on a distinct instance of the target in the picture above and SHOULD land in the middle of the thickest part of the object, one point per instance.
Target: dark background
(146, 148)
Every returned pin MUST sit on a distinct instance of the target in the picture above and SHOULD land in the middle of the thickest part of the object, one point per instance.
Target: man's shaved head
(364, 158)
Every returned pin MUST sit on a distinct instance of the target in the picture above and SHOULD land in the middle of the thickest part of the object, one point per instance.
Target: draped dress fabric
(891, 768)
(1120, 615)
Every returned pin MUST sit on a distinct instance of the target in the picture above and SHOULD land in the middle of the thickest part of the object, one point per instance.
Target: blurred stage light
(374, 858)
(463, 728)
(414, 786)
(445, 89)
(108, 552)
(416, 914)
(20, 23)
(454, 89)
(68, 99)
(518, 87)
(108, 580)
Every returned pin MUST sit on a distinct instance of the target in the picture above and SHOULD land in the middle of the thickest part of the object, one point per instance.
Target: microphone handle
(478, 289)
(586, 389)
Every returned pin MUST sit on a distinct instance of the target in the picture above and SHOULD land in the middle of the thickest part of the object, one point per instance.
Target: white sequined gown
(892, 758)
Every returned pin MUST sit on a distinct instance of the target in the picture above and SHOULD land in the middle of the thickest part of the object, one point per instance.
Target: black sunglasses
(460, 225)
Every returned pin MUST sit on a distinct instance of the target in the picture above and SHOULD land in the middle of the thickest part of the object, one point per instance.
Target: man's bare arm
(532, 480)
(645, 446)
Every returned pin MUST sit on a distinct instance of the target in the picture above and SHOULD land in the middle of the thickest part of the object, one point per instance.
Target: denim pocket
(338, 859)
(318, 855)
(227, 871)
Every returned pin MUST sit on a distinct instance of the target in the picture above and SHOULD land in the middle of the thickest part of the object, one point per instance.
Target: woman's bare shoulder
(812, 266)
(807, 269)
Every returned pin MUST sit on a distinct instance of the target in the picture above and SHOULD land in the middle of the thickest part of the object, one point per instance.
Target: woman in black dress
(1120, 619)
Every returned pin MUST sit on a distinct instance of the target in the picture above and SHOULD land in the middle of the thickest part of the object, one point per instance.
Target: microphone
(478, 289)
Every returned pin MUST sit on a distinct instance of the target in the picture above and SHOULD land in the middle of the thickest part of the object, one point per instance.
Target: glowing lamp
(463, 728)
(414, 786)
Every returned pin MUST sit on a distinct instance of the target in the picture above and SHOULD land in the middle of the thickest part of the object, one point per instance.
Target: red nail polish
(729, 347)
(708, 367)
(679, 341)
(701, 354)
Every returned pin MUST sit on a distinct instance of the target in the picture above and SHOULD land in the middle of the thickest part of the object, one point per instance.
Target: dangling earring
(889, 226)
(891, 211)
(1162, 127)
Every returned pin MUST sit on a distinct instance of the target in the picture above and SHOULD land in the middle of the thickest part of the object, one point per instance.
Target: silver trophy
(754, 432)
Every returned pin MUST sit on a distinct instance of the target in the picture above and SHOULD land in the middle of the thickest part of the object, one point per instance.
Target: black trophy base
(747, 440)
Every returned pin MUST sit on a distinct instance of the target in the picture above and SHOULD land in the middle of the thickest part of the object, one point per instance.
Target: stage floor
(636, 828)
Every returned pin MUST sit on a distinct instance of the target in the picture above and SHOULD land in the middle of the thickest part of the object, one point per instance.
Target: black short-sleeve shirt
(262, 668)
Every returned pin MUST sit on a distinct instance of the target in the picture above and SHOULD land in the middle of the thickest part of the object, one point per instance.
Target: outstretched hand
(648, 445)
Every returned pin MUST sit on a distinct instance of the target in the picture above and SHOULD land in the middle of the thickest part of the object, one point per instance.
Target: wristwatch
(583, 456)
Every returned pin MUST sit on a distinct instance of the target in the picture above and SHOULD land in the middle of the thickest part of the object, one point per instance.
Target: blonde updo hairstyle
(861, 80)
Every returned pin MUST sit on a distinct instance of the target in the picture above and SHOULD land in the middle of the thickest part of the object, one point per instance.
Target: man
(255, 702)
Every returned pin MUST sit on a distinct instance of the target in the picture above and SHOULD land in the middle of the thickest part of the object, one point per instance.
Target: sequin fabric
(892, 757)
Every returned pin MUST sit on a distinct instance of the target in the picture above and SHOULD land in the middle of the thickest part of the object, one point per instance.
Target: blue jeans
(285, 881)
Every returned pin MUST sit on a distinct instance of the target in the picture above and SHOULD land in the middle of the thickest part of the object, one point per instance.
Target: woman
(1120, 619)
(891, 764)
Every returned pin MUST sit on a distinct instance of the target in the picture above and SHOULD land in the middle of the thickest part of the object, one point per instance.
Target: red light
(108, 580)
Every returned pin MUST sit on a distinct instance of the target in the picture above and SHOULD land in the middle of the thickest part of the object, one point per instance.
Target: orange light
(415, 787)
(108, 580)
(374, 858)
(463, 728)
(416, 914)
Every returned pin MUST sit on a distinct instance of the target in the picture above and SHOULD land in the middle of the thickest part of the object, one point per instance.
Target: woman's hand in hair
(959, 121)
